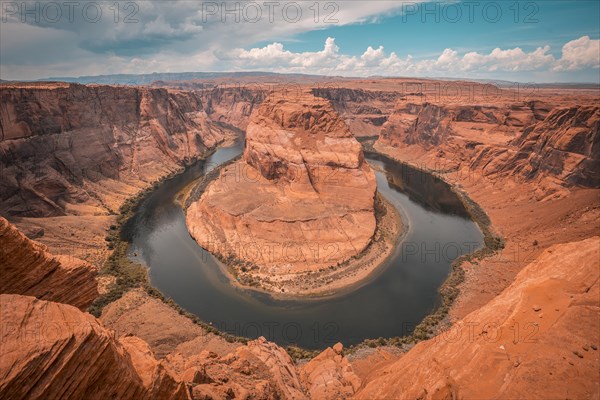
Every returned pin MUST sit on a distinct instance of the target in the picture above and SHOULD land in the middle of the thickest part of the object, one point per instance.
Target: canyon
(123, 137)
(71, 156)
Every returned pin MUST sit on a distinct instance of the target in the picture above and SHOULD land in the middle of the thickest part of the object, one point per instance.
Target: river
(392, 303)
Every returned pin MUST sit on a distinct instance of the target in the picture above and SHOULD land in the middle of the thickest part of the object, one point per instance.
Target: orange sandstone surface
(525, 324)
(27, 268)
(53, 350)
(537, 340)
(140, 349)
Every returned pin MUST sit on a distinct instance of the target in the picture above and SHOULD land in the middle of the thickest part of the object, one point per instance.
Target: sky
(525, 41)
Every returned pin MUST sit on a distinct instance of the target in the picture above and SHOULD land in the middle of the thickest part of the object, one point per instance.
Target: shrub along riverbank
(129, 274)
(449, 291)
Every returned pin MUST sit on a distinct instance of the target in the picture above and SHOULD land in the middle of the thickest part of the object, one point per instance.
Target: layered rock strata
(526, 141)
(566, 145)
(27, 268)
(75, 149)
(300, 199)
(54, 351)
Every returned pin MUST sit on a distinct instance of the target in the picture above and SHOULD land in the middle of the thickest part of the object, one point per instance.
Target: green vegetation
(449, 290)
(298, 353)
(130, 275)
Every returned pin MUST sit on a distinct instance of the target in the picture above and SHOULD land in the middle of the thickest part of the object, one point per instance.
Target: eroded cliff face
(364, 111)
(566, 144)
(234, 106)
(417, 124)
(537, 339)
(27, 268)
(431, 125)
(411, 112)
(75, 149)
(524, 140)
(300, 199)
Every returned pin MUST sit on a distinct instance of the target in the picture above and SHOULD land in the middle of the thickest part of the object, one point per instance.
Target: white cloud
(580, 53)
(372, 56)
(179, 36)
(184, 32)
(376, 61)
(508, 60)
(577, 54)
(448, 58)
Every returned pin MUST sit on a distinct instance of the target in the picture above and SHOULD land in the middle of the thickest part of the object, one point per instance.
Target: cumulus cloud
(508, 60)
(180, 36)
(274, 54)
(158, 31)
(580, 53)
(577, 54)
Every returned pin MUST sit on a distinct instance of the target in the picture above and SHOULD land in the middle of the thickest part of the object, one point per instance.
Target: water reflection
(391, 304)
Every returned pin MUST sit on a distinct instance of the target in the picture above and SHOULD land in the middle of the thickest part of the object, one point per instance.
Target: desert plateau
(410, 221)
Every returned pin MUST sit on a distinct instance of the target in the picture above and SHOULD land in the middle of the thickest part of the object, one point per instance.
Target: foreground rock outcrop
(301, 198)
(330, 375)
(54, 351)
(27, 268)
(258, 370)
(212, 366)
(537, 339)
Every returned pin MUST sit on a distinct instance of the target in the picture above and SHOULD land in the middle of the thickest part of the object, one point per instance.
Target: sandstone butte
(300, 199)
